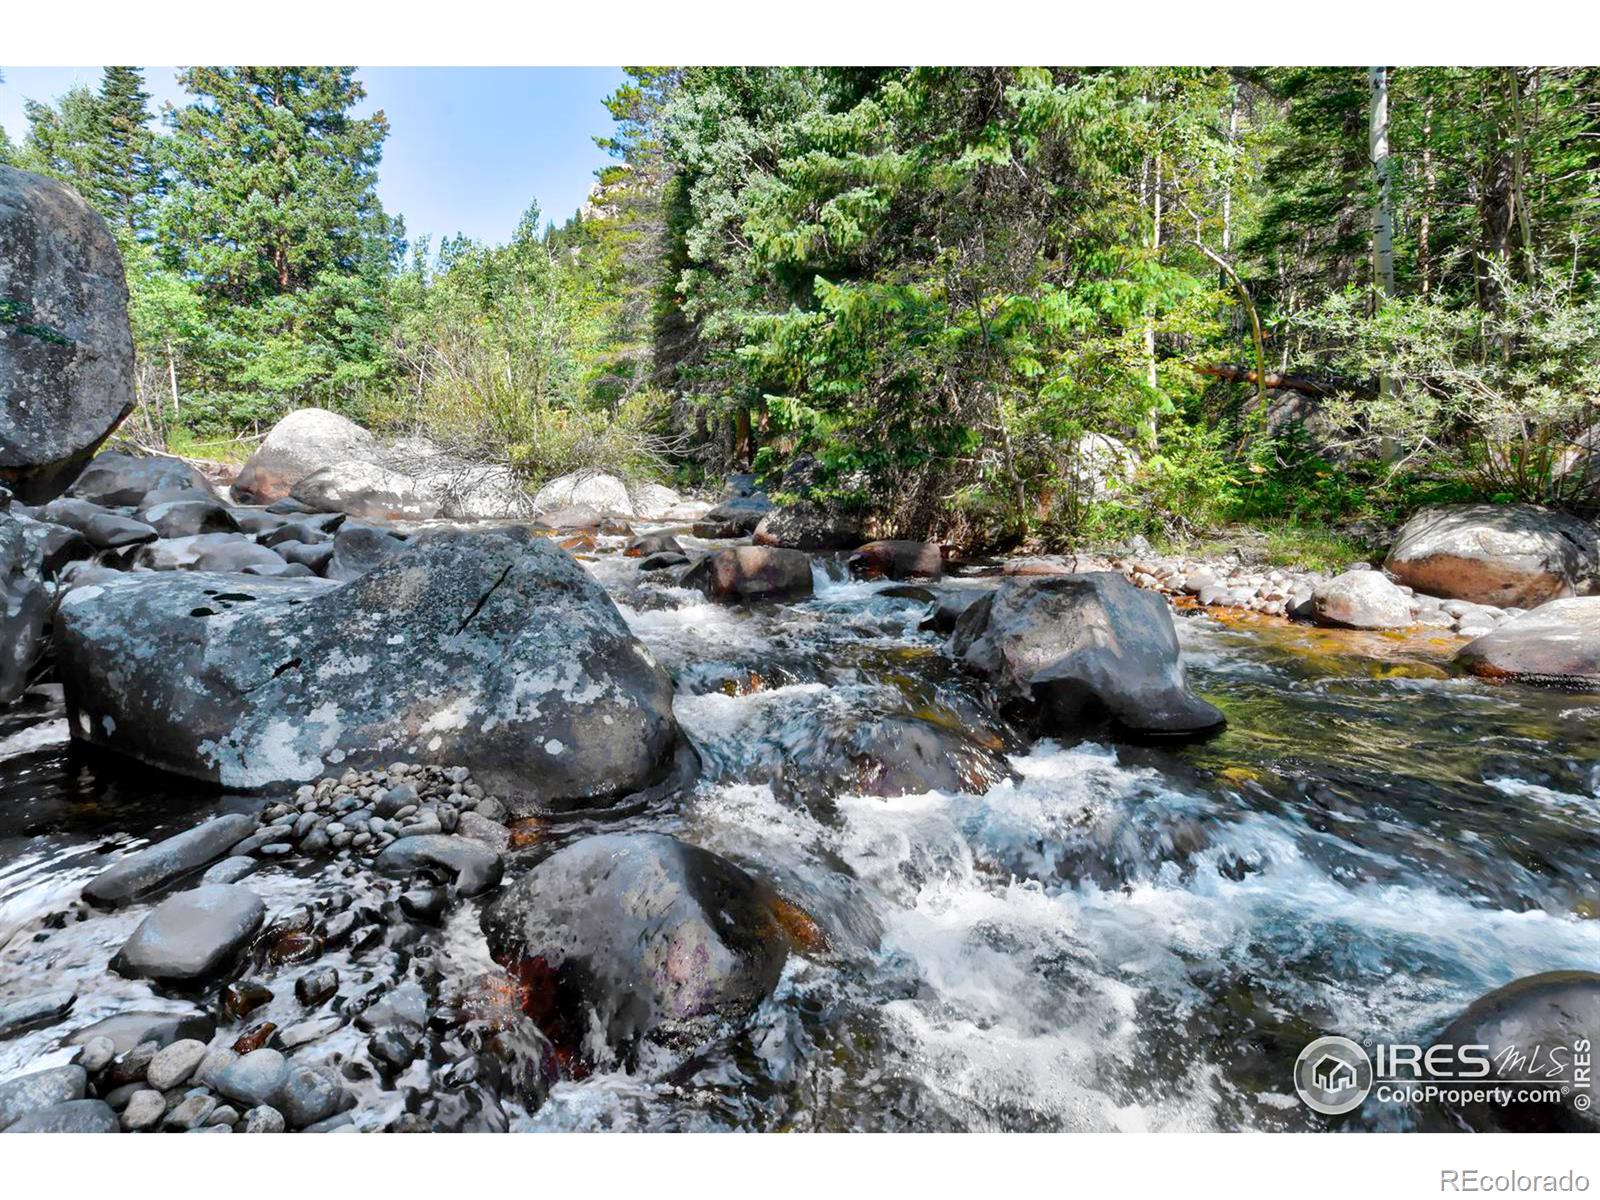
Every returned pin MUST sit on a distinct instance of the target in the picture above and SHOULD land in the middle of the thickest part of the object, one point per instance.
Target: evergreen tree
(123, 172)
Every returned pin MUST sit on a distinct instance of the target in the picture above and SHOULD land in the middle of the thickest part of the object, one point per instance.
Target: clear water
(1120, 937)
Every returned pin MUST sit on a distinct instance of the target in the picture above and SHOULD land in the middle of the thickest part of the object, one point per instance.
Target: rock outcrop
(491, 650)
(1061, 651)
(66, 352)
(1503, 554)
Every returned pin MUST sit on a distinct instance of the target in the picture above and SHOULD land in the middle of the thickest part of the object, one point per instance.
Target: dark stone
(807, 526)
(108, 531)
(123, 480)
(660, 562)
(393, 1049)
(193, 936)
(651, 544)
(896, 755)
(74, 1116)
(241, 999)
(357, 549)
(314, 558)
(33, 1011)
(24, 605)
(185, 518)
(492, 650)
(637, 935)
(310, 1095)
(734, 518)
(254, 1078)
(66, 352)
(1062, 651)
(165, 862)
(1552, 1012)
(313, 988)
(746, 573)
(42, 1089)
(474, 867)
(426, 905)
(897, 560)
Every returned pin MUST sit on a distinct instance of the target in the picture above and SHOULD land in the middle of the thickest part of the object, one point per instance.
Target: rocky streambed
(665, 831)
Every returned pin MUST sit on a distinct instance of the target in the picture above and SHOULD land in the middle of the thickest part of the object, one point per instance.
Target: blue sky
(468, 147)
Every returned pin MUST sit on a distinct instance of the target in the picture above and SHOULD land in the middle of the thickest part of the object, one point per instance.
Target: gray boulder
(473, 867)
(24, 605)
(300, 444)
(735, 517)
(1362, 600)
(185, 518)
(193, 936)
(807, 526)
(1062, 651)
(216, 552)
(638, 935)
(66, 352)
(604, 493)
(30, 1093)
(897, 560)
(254, 1078)
(72, 1116)
(1556, 644)
(163, 863)
(491, 650)
(117, 480)
(367, 490)
(1502, 554)
(748, 573)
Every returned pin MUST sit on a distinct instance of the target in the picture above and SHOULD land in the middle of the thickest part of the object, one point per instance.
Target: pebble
(225, 1114)
(216, 1059)
(131, 1067)
(144, 1110)
(312, 988)
(309, 1096)
(255, 1078)
(263, 1118)
(192, 1111)
(241, 999)
(97, 1054)
(309, 1031)
(173, 1064)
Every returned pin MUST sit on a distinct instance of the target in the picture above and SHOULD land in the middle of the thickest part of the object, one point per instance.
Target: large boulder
(654, 501)
(628, 936)
(734, 518)
(1557, 644)
(1542, 1024)
(606, 494)
(117, 479)
(897, 560)
(1098, 466)
(1061, 651)
(365, 489)
(66, 353)
(24, 605)
(491, 650)
(746, 573)
(462, 490)
(1362, 600)
(305, 441)
(1510, 555)
(808, 526)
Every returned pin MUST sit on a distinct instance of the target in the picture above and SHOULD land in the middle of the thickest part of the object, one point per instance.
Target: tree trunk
(1519, 172)
(1430, 182)
(172, 378)
(1383, 215)
(1150, 325)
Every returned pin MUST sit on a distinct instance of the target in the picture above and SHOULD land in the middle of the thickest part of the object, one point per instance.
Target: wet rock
(300, 444)
(310, 1095)
(480, 829)
(158, 865)
(120, 480)
(1502, 554)
(24, 606)
(30, 1012)
(474, 867)
(74, 1116)
(1556, 644)
(193, 936)
(263, 1118)
(1361, 600)
(39, 1090)
(489, 650)
(1061, 651)
(1553, 1012)
(948, 608)
(750, 573)
(636, 935)
(365, 490)
(314, 987)
(303, 1033)
(652, 544)
(660, 562)
(593, 490)
(393, 1049)
(66, 357)
(897, 560)
(808, 526)
(130, 1067)
(186, 518)
(403, 1007)
(734, 518)
(241, 999)
(173, 1064)
(127, 1030)
(254, 1078)
(424, 904)
(219, 552)
(229, 870)
(897, 755)
(144, 1110)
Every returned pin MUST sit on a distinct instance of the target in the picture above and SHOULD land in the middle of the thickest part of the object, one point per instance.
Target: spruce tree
(124, 179)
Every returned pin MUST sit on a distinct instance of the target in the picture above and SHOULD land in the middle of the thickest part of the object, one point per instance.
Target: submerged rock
(490, 650)
(1362, 600)
(192, 937)
(1062, 651)
(1543, 1019)
(473, 867)
(66, 351)
(637, 935)
(300, 444)
(1557, 644)
(1504, 554)
(746, 573)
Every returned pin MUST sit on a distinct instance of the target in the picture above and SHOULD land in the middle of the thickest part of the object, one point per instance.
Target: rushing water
(1117, 937)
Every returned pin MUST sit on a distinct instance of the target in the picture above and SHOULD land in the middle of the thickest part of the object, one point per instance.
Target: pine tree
(62, 138)
(124, 176)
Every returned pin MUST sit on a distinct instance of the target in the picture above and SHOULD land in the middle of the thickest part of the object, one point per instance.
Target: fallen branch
(1274, 379)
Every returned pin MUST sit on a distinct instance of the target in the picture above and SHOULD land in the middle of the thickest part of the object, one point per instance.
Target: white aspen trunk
(172, 378)
(1227, 181)
(1150, 326)
(1378, 150)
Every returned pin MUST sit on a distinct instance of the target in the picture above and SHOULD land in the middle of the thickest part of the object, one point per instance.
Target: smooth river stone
(192, 936)
(155, 866)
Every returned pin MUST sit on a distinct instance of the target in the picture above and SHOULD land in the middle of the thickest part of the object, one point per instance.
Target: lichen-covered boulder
(747, 573)
(1063, 651)
(66, 353)
(637, 935)
(305, 441)
(491, 650)
(1362, 600)
(365, 489)
(24, 605)
(1510, 555)
(1556, 644)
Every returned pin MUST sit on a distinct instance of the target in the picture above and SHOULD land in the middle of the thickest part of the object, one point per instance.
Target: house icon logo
(1333, 1075)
